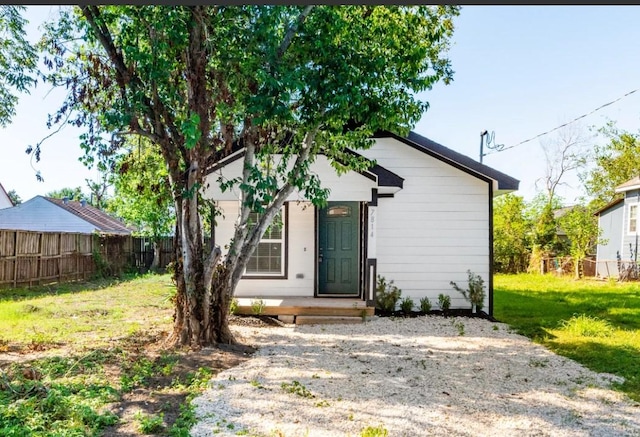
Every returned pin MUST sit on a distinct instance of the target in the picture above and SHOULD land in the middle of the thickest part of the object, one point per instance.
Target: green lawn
(596, 323)
(91, 313)
(70, 353)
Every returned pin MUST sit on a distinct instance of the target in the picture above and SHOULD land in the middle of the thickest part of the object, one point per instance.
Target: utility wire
(565, 124)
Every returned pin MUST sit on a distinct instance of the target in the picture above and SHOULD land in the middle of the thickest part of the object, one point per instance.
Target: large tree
(17, 60)
(615, 162)
(202, 81)
(565, 153)
(511, 234)
(582, 230)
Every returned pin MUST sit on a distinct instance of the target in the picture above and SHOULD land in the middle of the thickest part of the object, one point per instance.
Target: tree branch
(291, 32)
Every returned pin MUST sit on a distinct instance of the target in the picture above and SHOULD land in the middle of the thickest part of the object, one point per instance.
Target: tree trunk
(201, 313)
(155, 264)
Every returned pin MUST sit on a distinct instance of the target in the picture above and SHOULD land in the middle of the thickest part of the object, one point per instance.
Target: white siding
(350, 186)
(38, 214)
(301, 250)
(434, 229)
(5, 200)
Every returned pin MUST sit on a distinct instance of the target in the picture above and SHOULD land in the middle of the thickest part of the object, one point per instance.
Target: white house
(5, 200)
(422, 217)
(46, 214)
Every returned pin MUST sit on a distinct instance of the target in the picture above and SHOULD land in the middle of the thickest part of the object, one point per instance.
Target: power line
(565, 124)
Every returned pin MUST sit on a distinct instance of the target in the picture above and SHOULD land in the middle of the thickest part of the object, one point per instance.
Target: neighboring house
(46, 214)
(421, 217)
(619, 224)
(5, 200)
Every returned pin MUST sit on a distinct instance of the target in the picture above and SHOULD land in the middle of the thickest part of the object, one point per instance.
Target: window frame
(633, 207)
(284, 251)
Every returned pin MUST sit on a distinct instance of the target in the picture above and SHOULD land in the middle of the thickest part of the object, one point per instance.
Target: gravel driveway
(413, 377)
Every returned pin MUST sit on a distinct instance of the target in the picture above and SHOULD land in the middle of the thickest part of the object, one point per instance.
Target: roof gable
(451, 157)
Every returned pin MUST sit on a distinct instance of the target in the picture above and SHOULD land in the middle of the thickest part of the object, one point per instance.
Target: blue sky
(519, 71)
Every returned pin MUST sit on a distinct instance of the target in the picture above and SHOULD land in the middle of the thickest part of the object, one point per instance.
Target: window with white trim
(633, 218)
(268, 257)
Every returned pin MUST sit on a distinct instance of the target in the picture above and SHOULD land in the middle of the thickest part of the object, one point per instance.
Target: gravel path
(413, 377)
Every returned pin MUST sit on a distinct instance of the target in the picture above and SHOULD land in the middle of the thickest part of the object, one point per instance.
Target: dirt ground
(156, 397)
(158, 394)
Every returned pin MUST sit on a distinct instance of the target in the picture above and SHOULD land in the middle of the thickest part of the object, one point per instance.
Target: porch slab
(304, 306)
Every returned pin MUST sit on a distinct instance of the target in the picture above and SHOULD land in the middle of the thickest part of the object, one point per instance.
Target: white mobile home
(422, 217)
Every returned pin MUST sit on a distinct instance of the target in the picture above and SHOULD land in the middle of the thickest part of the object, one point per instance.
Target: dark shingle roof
(100, 219)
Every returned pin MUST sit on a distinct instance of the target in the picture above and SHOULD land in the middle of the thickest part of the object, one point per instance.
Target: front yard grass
(86, 359)
(596, 323)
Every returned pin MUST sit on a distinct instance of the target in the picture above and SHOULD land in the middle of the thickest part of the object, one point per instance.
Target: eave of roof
(458, 160)
(609, 205)
(384, 177)
(632, 184)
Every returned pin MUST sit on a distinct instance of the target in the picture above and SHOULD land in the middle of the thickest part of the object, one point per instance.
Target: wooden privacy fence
(37, 258)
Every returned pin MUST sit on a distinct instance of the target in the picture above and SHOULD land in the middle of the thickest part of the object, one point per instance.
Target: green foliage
(425, 304)
(587, 326)
(615, 162)
(233, 306)
(596, 323)
(582, 230)
(374, 431)
(444, 302)
(257, 306)
(13, 195)
(149, 424)
(387, 295)
(75, 194)
(103, 268)
(297, 388)
(136, 373)
(545, 230)
(475, 292)
(511, 234)
(459, 326)
(142, 194)
(17, 60)
(406, 304)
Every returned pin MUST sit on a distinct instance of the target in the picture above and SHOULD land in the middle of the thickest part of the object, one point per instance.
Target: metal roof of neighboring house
(100, 219)
(44, 214)
(632, 184)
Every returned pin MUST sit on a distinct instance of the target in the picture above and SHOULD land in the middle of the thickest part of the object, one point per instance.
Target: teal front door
(338, 243)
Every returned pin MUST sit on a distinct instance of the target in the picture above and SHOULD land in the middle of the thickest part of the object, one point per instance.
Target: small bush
(475, 292)
(387, 295)
(406, 305)
(257, 306)
(444, 302)
(233, 306)
(425, 304)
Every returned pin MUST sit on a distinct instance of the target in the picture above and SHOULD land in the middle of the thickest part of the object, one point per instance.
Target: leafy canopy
(17, 60)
